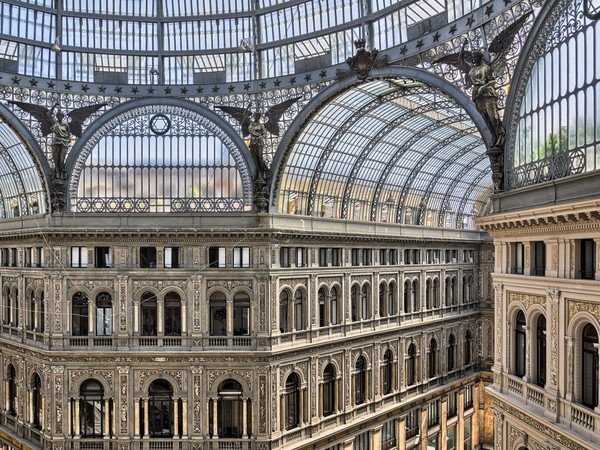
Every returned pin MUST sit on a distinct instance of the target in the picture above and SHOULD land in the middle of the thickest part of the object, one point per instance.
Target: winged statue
(61, 130)
(258, 127)
(481, 75)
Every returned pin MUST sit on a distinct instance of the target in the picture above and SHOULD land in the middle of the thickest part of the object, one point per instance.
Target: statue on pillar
(480, 77)
(258, 127)
(53, 122)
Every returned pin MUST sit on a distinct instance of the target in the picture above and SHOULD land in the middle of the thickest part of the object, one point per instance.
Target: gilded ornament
(576, 306)
(527, 300)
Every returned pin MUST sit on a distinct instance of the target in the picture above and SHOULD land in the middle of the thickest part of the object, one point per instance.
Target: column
(301, 409)
(401, 433)
(43, 413)
(160, 306)
(527, 377)
(106, 418)
(460, 432)
(281, 413)
(597, 408)
(244, 418)
(215, 429)
(340, 394)
(36, 312)
(30, 392)
(136, 418)
(376, 438)
(91, 315)
(184, 417)
(77, 427)
(146, 423)
(229, 309)
(443, 422)
(176, 418)
(570, 368)
(136, 316)
(423, 429)
(183, 317)
(6, 399)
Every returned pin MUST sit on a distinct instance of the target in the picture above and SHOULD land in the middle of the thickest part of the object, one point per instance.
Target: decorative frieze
(576, 306)
(229, 284)
(108, 375)
(159, 285)
(527, 300)
(90, 285)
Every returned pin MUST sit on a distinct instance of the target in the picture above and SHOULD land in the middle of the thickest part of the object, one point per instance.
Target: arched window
(451, 352)
(391, 295)
(30, 318)
(91, 409)
(230, 411)
(79, 323)
(415, 296)
(39, 315)
(407, 297)
(453, 287)
(241, 314)
(541, 351)
(589, 383)
(433, 356)
(436, 293)
(382, 296)
(284, 300)
(354, 301)
(218, 314)
(328, 390)
(160, 409)
(333, 306)
(520, 345)
(428, 292)
(149, 314)
(468, 347)
(12, 390)
(172, 314)
(448, 292)
(6, 301)
(359, 381)
(322, 308)
(299, 310)
(386, 373)
(364, 302)
(411, 355)
(14, 301)
(104, 314)
(36, 387)
(292, 401)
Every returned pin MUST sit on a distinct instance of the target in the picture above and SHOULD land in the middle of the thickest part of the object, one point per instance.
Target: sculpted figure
(60, 129)
(481, 75)
(258, 127)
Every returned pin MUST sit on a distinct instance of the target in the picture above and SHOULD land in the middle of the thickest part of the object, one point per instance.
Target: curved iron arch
(75, 155)
(391, 72)
(34, 149)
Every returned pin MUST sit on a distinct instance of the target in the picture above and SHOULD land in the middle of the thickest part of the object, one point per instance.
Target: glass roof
(21, 188)
(392, 150)
(190, 41)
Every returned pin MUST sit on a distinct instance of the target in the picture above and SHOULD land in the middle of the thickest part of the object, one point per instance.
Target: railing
(148, 342)
(103, 342)
(172, 342)
(515, 386)
(582, 418)
(535, 395)
(242, 342)
(160, 444)
(78, 342)
(217, 342)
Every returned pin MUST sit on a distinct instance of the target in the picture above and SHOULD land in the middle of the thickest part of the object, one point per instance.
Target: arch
(217, 304)
(359, 372)
(36, 389)
(451, 357)
(292, 401)
(124, 199)
(432, 361)
(92, 409)
(589, 366)
(328, 390)
(230, 414)
(520, 344)
(213, 388)
(385, 179)
(11, 377)
(22, 158)
(148, 312)
(387, 378)
(172, 316)
(161, 408)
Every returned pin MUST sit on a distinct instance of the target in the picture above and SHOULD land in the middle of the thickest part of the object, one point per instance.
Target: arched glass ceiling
(21, 188)
(190, 41)
(391, 150)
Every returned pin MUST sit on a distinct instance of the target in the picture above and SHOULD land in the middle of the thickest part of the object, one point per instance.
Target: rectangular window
(335, 257)
(415, 257)
(432, 442)
(382, 260)
(5, 257)
(79, 257)
(539, 267)
(393, 257)
(388, 435)
(148, 257)
(412, 424)
(451, 438)
(428, 257)
(40, 257)
(284, 257)
(433, 416)
(300, 257)
(436, 257)
(588, 259)
(519, 257)
(366, 257)
(467, 439)
(13, 257)
(216, 257)
(323, 257)
(452, 401)
(355, 257)
(407, 256)
(241, 257)
(102, 257)
(172, 257)
(468, 397)
(362, 441)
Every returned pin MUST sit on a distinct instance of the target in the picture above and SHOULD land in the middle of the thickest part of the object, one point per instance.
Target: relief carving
(576, 306)
(230, 285)
(527, 299)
